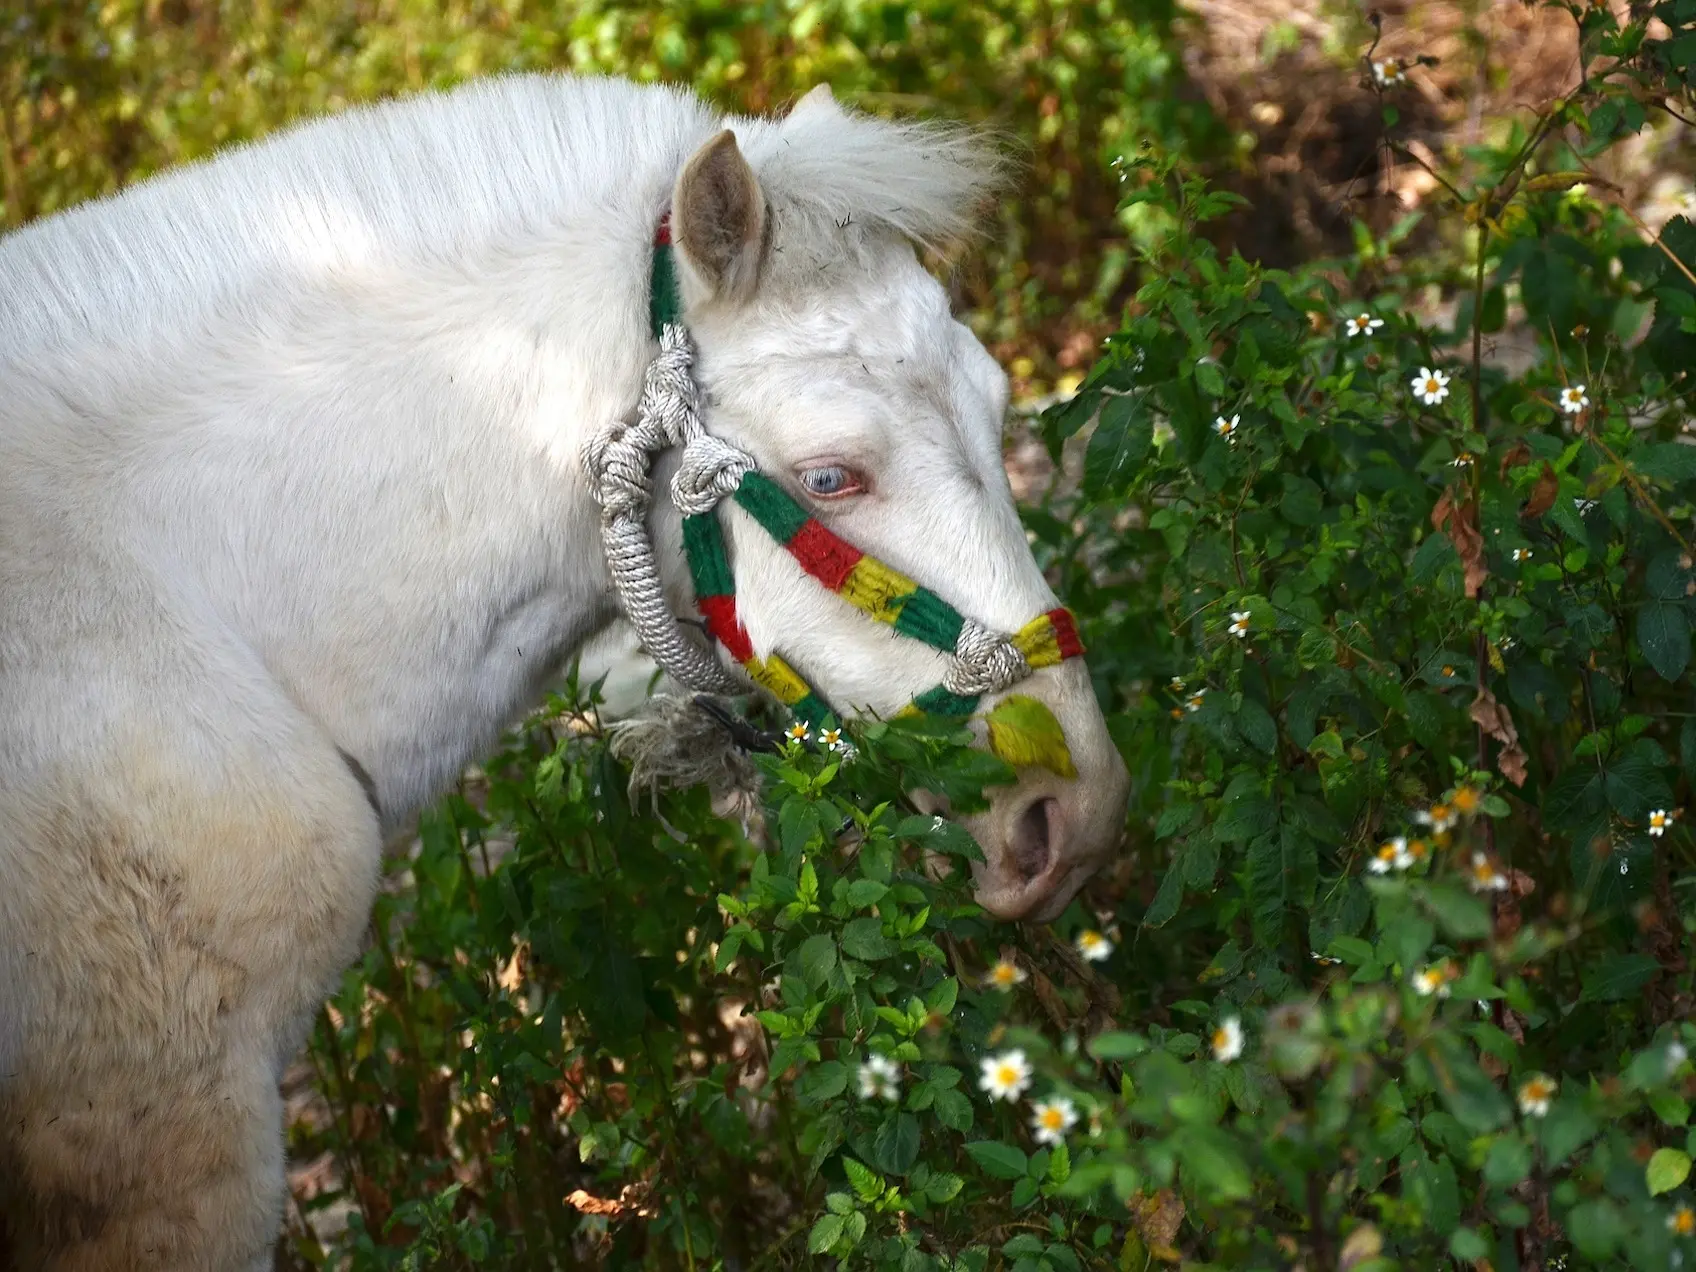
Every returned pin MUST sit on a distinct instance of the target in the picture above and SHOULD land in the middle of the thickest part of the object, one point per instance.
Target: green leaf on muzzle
(1024, 732)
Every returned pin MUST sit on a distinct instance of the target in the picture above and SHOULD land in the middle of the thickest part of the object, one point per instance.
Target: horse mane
(423, 179)
(824, 169)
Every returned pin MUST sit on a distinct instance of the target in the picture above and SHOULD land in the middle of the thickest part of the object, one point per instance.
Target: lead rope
(619, 461)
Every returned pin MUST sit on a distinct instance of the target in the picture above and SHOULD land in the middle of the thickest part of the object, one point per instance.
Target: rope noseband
(711, 470)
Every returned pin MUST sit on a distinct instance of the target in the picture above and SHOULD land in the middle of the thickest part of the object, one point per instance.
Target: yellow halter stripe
(875, 589)
(1038, 642)
(779, 678)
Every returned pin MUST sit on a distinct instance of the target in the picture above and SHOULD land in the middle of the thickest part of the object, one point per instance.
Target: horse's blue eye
(833, 480)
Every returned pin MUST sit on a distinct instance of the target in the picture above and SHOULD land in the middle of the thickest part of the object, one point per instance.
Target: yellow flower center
(1051, 1119)
(1684, 1221)
(1431, 385)
(1448, 671)
(1465, 799)
(1006, 1075)
(1221, 1040)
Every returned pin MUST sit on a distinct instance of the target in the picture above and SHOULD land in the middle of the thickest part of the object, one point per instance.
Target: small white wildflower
(1227, 1040)
(1051, 1119)
(1521, 554)
(1389, 73)
(1439, 817)
(1482, 875)
(1227, 428)
(1536, 1093)
(1005, 974)
(800, 731)
(1093, 946)
(880, 1079)
(1659, 820)
(1682, 1222)
(1676, 1055)
(1573, 399)
(1005, 1076)
(1392, 854)
(1325, 960)
(1195, 699)
(1363, 325)
(1176, 684)
(831, 738)
(1433, 980)
(1465, 459)
(1430, 387)
(1239, 623)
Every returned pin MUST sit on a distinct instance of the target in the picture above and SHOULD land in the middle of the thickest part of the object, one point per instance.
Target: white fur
(289, 476)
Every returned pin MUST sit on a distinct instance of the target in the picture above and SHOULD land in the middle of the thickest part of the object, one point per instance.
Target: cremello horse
(294, 521)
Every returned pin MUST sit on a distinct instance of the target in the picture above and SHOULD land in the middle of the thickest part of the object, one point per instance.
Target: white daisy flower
(1052, 1118)
(1482, 875)
(1176, 684)
(1659, 820)
(831, 738)
(1227, 1040)
(1439, 817)
(1521, 554)
(1005, 1076)
(800, 731)
(1195, 699)
(1239, 623)
(1363, 325)
(1430, 387)
(1573, 399)
(1391, 855)
(1465, 459)
(880, 1079)
(1389, 73)
(1227, 428)
(1093, 945)
(1005, 974)
(1536, 1093)
(1433, 980)
(1325, 960)
(1682, 1222)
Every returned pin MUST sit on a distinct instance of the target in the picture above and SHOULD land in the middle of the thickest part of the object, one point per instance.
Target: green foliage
(1396, 972)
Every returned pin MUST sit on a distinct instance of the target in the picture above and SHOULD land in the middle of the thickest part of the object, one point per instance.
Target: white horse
(294, 521)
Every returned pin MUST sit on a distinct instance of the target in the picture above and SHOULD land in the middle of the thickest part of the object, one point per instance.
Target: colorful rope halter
(984, 661)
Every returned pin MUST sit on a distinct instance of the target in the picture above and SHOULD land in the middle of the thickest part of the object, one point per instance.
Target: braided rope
(618, 460)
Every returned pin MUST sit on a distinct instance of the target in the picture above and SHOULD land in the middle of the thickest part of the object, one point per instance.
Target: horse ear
(718, 220)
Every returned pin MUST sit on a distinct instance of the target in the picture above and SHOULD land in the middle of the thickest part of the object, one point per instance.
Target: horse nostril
(1032, 852)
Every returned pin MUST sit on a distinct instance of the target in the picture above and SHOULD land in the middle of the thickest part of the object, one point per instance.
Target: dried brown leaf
(1460, 523)
(1157, 1218)
(1491, 716)
(1543, 493)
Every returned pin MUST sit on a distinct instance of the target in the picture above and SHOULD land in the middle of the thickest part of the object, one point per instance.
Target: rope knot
(709, 470)
(985, 661)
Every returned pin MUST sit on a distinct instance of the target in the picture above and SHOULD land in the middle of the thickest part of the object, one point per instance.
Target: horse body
(292, 524)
